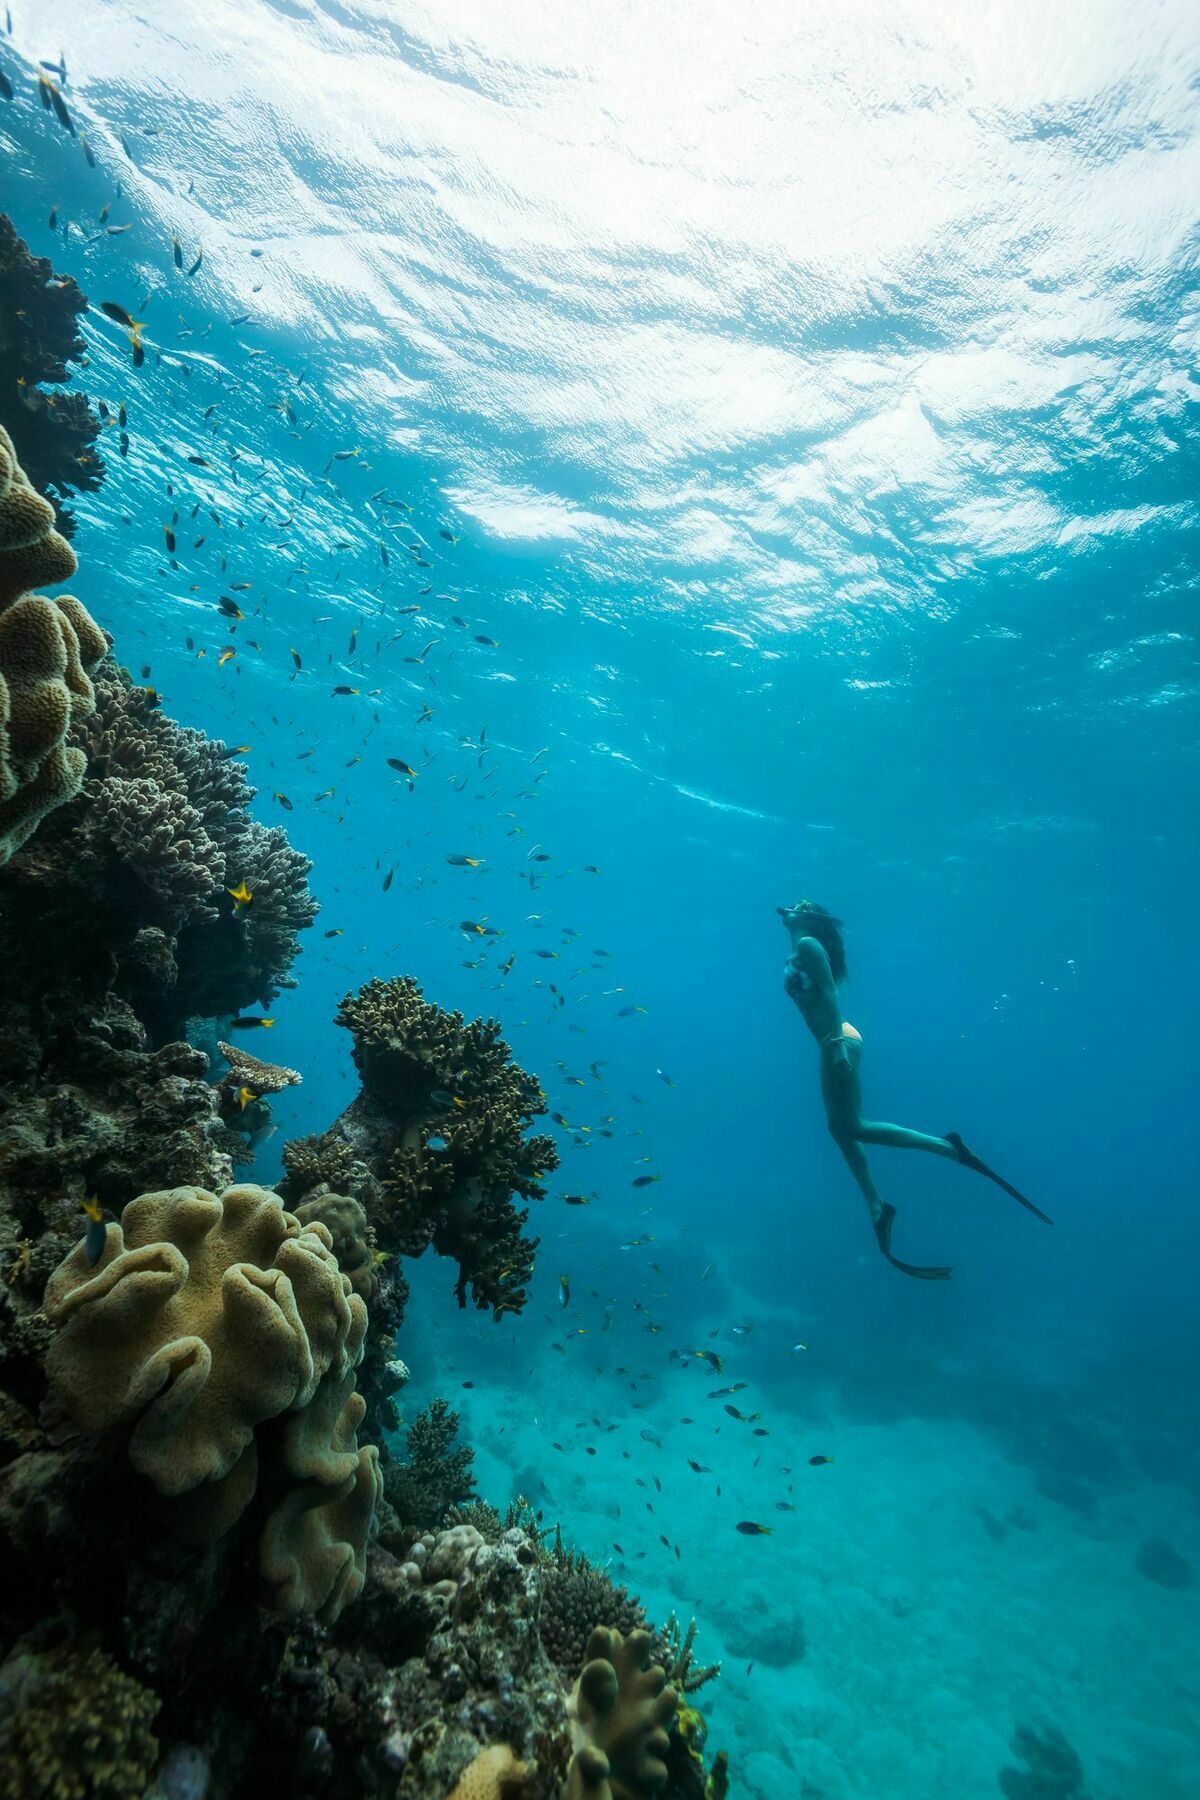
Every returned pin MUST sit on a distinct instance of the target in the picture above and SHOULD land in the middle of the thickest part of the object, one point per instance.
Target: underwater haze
(731, 455)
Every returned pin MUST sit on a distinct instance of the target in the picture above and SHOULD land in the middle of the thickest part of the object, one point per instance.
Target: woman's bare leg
(902, 1137)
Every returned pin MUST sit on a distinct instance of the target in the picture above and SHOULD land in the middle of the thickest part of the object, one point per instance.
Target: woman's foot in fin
(883, 1237)
(969, 1160)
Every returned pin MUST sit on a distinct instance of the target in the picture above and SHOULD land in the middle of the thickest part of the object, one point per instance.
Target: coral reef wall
(54, 434)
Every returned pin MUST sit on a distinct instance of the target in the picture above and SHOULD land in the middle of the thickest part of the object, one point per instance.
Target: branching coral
(438, 1136)
(202, 1319)
(159, 833)
(73, 1726)
(437, 1475)
(47, 650)
(54, 434)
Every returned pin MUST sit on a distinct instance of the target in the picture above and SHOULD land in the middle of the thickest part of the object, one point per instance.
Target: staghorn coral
(202, 1319)
(73, 1726)
(54, 434)
(438, 1140)
(158, 833)
(622, 1709)
(47, 650)
(437, 1476)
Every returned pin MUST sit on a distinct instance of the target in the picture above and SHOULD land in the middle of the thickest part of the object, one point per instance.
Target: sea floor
(924, 1602)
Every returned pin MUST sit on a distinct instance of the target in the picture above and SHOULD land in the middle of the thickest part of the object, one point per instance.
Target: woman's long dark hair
(820, 923)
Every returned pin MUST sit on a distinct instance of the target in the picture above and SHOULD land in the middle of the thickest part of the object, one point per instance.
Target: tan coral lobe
(48, 649)
(203, 1318)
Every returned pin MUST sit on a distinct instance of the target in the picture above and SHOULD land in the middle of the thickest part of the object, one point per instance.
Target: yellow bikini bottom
(847, 1035)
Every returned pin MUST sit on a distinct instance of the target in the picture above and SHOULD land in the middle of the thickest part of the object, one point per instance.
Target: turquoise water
(811, 404)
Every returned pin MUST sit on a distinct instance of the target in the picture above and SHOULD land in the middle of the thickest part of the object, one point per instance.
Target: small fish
(336, 932)
(244, 1096)
(818, 1462)
(398, 762)
(449, 536)
(241, 896)
(628, 1011)
(749, 1528)
(577, 1199)
(664, 1078)
(229, 607)
(389, 878)
(117, 313)
(249, 1022)
(96, 1234)
(342, 688)
(195, 266)
(464, 862)
(295, 654)
(169, 540)
(700, 1468)
(226, 656)
(640, 1181)
(284, 802)
(177, 252)
(564, 1290)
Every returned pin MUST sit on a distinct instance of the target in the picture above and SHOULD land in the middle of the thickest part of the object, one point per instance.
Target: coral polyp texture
(436, 1144)
(160, 832)
(55, 433)
(48, 649)
(202, 1319)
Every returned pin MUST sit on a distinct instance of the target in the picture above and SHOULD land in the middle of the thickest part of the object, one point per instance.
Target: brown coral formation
(73, 1725)
(47, 651)
(159, 832)
(54, 432)
(202, 1319)
(436, 1144)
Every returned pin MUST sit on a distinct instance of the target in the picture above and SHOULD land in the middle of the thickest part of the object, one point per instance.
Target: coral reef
(437, 1476)
(73, 1726)
(1052, 1771)
(158, 833)
(435, 1144)
(201, 1319)
(54, 434)
(47, 650)
(1161, 1563)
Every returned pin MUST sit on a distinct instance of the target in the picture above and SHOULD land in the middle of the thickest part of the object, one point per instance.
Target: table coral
(202, 1319)
(47, 650)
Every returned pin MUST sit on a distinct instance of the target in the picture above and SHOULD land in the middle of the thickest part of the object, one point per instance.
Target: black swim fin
(883, 1237)
(969, 1160)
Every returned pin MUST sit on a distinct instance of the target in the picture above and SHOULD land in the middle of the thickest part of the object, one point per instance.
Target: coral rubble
(54, 433)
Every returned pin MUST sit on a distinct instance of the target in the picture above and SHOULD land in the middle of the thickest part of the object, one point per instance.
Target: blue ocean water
(797, 418)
